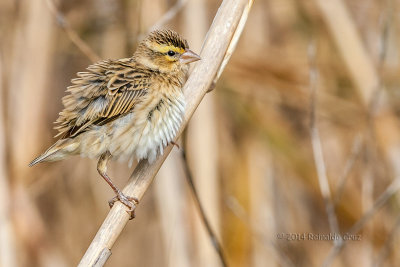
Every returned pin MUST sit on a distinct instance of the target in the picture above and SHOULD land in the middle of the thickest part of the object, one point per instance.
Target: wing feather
(108, 90)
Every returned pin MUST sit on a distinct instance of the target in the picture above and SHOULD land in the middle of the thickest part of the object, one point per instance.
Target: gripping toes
(128, 201)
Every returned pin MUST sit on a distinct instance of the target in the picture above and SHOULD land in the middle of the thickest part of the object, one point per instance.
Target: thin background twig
(393, 188)
(390, 191)
(213, 237)
(317, 147)
(350, 162)
(73, 36)
(169, 15)
(372, 107)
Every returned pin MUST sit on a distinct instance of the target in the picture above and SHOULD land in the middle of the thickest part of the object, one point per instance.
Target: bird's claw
(211, 88)
(175, 144)
(128, 201)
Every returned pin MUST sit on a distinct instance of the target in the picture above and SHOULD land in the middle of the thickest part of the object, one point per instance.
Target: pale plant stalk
(201, 147)
(8, 256)
(173, 206)
(235, 38)
(261, 197)
(29, 72)
(349, 43)
(214, 50)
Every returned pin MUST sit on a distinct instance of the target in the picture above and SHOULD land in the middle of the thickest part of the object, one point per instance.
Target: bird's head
(165, 51)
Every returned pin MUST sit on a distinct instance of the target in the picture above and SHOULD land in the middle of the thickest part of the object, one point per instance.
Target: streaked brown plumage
(127, 108)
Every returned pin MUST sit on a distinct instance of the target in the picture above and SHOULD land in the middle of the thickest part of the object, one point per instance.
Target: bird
(125, 109)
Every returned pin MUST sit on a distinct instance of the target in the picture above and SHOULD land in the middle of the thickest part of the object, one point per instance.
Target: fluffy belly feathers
(140, 134)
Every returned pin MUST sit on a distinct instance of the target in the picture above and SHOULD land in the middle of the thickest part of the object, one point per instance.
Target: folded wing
(106, 91)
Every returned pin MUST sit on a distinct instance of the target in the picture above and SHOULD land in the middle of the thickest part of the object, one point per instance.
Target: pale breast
(146, 131)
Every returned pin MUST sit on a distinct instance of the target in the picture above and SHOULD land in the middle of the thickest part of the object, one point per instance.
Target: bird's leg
(130, 202)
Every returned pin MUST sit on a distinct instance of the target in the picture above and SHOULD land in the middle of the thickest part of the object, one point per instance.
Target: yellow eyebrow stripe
(166, 48)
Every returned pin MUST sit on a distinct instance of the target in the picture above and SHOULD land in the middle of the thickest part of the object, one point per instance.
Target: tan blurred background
(269, 172)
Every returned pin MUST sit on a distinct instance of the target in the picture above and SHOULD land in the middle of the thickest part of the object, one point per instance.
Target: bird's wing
(106, 91)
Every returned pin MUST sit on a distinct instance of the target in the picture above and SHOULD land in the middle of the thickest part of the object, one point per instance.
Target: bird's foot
(128, 201)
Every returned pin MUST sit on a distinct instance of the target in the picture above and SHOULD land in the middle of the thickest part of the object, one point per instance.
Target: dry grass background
(255, 158)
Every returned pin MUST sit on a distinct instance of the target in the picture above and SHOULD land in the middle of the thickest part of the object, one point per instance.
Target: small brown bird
(127, 108)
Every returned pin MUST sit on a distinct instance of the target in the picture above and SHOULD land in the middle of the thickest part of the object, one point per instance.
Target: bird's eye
(171, 53)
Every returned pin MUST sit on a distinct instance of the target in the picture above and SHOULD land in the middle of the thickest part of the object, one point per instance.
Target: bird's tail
(61, 149)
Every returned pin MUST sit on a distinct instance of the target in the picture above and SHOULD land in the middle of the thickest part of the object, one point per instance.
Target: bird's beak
(188, 57)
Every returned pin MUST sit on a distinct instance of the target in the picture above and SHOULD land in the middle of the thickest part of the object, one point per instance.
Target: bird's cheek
(169, 59)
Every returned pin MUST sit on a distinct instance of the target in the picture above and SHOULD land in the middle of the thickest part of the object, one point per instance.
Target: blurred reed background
(301, 135)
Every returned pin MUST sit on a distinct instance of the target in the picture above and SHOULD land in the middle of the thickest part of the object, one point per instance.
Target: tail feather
(37, 160)
(59, 150)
